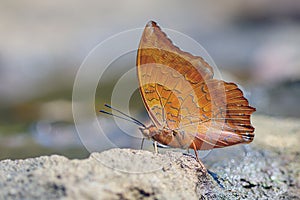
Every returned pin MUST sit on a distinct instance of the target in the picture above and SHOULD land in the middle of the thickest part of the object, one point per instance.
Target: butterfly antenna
(120, 117)
(133, 119)
(137, 121)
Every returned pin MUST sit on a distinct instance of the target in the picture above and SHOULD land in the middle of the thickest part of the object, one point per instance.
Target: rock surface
(267, 169)
(57, 177)
(260, 175)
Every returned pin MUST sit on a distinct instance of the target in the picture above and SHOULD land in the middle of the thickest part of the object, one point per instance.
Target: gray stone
(267, 169)
(113, 174)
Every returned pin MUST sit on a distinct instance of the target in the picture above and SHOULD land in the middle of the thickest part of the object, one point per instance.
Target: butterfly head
(149, 131)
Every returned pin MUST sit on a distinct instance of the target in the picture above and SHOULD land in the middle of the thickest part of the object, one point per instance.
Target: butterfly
(189, 109)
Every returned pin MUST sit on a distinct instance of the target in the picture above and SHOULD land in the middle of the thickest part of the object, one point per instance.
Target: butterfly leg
(155, 147)
(197, 158)
(212, 174)
(142, 143)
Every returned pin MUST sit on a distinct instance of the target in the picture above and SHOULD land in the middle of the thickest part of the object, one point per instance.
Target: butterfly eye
(145, 132)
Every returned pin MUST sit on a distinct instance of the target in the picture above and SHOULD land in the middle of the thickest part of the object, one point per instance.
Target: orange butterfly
(188, 108)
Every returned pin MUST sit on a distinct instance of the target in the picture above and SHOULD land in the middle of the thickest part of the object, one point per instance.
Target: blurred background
(43, 43)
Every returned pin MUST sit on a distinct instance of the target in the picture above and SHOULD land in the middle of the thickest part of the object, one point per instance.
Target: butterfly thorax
(166, 136)
(163, 136)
